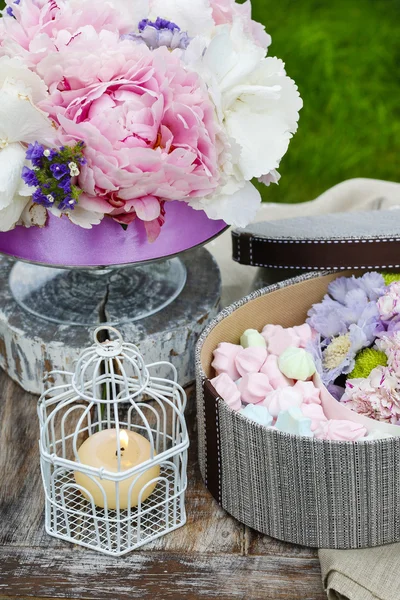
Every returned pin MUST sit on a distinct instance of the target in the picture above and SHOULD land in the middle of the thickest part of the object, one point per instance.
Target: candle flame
(124, 439)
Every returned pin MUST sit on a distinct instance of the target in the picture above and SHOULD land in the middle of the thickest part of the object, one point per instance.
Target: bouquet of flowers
(356, 346)
(116, 107)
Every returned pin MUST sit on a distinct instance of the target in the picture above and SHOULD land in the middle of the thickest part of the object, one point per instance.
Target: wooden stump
(31, 346)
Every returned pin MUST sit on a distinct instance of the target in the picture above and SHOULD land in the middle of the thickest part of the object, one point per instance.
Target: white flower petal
(20, 120)
(10, 215)
(231, 56)
(264, 139)
(193, 16)
(79, 216)
(238, 209)
(14, 71)
(132, 10)
(34, 215)
(12, 159)
(272, 177)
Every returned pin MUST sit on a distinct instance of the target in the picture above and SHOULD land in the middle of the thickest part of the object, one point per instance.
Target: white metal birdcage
(113, 449)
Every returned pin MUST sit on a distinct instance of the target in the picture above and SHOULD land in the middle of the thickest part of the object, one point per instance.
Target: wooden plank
(213, 556)
(58, 574)
(209, 528)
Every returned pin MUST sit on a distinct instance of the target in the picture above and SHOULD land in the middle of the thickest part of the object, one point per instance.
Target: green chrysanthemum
(390, 277)
(366, 361)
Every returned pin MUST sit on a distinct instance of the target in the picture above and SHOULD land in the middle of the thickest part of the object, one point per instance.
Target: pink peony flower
(225, 11)
(147, 123)
(41, 26)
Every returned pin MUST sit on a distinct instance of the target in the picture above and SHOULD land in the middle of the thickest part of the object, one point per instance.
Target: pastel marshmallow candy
(258, 413)
(345, 431)
(279, 339)
(252, 339)
(250, 360)
(310, 393)
(304, 333)
(271, 369)
(293, 421)
(314, 412)
(281, 400)
(297, 364)
(228, 390)
(254, 387)
(224, 359)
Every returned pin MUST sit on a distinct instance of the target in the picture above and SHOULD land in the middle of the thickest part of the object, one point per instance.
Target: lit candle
(100, 451)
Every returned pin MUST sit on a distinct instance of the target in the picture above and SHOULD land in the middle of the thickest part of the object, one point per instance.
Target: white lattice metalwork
(112, 389)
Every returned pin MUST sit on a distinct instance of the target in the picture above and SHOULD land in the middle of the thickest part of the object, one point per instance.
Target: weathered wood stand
(30, 345)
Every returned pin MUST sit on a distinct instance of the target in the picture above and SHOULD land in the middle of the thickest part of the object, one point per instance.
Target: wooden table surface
(213, 556)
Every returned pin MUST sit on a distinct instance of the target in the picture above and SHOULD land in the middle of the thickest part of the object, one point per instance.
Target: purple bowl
(63, 244)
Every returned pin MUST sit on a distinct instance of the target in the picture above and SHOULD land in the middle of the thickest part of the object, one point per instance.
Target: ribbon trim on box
(317, 254)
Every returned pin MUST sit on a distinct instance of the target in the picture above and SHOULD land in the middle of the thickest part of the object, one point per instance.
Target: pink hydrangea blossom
(376, 397)
(148, 125)
(225, 11)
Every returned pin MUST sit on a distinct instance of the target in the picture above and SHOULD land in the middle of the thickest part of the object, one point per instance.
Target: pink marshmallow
(305, 334)
(224, 360)
(279, 341)
(276, 378)
(254, 387)
(250, 360)
(270, 330)
(315, 413)
(310, 394)
(340, 430)
(281, 400)
(228, 390)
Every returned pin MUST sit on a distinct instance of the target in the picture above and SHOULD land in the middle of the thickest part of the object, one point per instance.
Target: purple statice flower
(160, 33)
(39, 198)
(29, 177)
(51, 154)
(35, 154)
(65, 185)
(10, 11)
(68, 203)
(158, 24)
(59, 170)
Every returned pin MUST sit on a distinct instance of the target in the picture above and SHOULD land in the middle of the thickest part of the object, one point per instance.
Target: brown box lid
(338, 241)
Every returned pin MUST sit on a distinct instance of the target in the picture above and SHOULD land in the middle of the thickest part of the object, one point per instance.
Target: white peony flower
(80, 216)
(257, 106)
(192, 16)
(20, 122)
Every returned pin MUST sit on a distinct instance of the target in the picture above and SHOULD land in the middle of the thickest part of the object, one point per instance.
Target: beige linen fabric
(362, 574)
(347, 574)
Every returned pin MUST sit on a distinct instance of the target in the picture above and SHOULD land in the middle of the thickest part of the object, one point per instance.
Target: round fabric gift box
(301, 490)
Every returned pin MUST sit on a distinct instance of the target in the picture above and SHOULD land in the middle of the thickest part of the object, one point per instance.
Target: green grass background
(345, 57)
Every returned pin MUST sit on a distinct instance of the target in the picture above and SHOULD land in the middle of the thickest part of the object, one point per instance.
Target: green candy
(297, 364)
(252, 339)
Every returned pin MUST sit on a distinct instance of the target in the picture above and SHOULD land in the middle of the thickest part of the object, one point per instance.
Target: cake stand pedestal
(30, 344)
